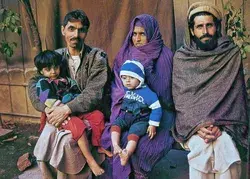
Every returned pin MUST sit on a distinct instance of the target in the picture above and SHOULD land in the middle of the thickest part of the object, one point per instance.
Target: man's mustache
(75, 39)
(205, 36)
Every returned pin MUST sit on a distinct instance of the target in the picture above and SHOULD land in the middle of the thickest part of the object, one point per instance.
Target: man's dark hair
(77, 15)
(216, 21)
(47, 59)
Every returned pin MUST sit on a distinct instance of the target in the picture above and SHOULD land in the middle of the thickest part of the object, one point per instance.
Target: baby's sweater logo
(134, 96)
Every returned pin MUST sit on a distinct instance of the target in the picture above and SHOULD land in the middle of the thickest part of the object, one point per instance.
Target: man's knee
(196, 142)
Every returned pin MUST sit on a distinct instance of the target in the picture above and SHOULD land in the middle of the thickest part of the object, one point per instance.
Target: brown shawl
(208, 88)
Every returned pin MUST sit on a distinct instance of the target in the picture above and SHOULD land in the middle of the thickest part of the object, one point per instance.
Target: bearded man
(210, 98)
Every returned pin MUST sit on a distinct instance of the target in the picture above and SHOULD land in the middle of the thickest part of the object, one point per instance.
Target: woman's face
(139, 37)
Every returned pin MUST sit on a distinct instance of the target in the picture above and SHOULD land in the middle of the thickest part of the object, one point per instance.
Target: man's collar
(81, 52)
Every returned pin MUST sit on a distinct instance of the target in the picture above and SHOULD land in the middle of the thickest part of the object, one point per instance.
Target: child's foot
(117, 149)
(124, 156)
(104, 151)
(95, 168)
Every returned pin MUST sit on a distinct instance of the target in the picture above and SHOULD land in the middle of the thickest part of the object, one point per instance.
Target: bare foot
(96, 169)
(104, 151)
(124, 155)
(117, 149)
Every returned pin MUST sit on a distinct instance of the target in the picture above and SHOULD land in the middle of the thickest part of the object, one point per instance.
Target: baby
(140, 110)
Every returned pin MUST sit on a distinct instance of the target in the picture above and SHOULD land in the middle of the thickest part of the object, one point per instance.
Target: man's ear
(62, 30)
(191, 31)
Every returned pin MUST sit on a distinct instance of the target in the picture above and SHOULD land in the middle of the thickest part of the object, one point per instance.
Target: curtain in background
(109, 20)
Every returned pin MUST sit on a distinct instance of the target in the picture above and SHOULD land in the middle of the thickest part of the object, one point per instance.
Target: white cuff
(154, 123)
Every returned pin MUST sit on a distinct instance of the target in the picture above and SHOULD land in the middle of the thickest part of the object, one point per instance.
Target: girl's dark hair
(77, 15)
(47, 59)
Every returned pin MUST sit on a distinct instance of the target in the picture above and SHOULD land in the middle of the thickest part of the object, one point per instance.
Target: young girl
(54, 90)
(140, 110)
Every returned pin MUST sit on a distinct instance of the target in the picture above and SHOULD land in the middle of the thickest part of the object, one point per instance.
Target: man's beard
(208, 44)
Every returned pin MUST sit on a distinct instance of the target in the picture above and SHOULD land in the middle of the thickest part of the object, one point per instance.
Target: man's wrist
(67, 109)
(46, 109)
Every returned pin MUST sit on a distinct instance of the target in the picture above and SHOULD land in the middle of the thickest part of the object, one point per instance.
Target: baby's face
(51, 73)
(130, 82)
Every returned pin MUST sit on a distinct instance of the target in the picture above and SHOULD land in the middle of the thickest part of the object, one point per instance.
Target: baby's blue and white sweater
(143, 99)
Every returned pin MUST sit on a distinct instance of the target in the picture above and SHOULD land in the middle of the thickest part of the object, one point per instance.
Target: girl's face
(52, 72)
(130, 82)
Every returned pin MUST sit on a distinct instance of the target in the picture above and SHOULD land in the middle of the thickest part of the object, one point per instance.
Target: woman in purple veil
(157, 61)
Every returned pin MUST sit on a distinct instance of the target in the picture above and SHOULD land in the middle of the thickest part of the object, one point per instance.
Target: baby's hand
(151, 131)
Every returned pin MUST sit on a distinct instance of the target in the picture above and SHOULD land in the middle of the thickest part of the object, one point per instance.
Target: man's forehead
(203, 19)
(74, 22)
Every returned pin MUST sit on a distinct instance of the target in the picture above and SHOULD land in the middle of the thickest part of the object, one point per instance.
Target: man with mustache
(210, 98)
(88, 66)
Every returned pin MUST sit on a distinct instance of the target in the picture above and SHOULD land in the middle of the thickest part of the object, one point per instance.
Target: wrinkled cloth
(208, 158)
(61, 151)
(63, 89)
(135, 125)
(142, 100)
(234, 172)
(157, 61)
(204, 6)
(209, 89)
(53, 92)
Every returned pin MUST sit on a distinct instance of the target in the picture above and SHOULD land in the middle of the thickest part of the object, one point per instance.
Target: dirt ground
(26, 136)
(173, 166)
(10, 152)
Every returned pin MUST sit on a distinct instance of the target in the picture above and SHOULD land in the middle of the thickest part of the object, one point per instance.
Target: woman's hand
(58, 115)
(209, 134)
(151, 131)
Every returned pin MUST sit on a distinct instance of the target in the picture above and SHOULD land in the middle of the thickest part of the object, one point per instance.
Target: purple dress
(157, 61)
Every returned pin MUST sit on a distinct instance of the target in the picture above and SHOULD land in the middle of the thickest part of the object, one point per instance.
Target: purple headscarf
(157, 61)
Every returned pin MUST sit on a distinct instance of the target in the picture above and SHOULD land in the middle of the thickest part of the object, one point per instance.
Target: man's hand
(151, 132)
(49, 110)
(209, 134)
(58, 115)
